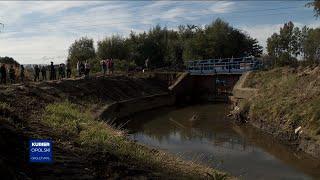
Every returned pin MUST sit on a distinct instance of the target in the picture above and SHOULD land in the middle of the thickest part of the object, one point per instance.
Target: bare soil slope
(21, 108)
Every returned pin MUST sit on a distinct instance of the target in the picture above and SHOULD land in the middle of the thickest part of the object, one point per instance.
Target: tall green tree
(286, 45)
(311, 45)
(114, 47)
(165, 47)
(82, 50)
(9, 60)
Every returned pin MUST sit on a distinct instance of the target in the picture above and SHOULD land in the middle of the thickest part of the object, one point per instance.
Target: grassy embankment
(286, 99)
(76, 123)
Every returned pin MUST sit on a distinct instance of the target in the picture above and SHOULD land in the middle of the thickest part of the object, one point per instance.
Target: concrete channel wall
(240, 92)
(181, 86)
(122, 109)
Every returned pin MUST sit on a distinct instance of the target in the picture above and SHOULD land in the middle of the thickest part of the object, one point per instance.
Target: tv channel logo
(40, 151)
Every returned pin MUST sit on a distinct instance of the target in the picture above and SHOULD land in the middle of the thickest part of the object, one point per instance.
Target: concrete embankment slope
(284, 102)
(241, 92)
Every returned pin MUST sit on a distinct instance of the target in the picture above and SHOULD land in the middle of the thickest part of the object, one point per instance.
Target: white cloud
(33, 49)
(14, 11)
(263, 31)
(36, 32)
(222, 7)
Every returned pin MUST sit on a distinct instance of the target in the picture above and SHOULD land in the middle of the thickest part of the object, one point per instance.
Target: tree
(286, 45)
(164, 47)
(316, 7)
(9, 60)
(114, 47)
(220, 40)
(81, 50)
(311, 45)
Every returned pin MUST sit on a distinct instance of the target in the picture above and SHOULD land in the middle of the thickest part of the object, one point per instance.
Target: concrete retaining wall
(122, 109)
(240, 92)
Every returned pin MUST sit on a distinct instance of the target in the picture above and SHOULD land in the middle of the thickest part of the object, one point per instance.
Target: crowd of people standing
(83, 68)
(107, 66)
(9, 73)
(55, 72)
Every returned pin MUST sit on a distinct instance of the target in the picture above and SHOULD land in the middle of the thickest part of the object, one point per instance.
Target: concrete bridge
(211, 79)
(222, 66)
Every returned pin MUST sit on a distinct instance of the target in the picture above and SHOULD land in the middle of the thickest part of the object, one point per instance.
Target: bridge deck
(222, 66)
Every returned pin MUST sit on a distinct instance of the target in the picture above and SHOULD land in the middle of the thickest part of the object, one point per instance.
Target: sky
(37, 32)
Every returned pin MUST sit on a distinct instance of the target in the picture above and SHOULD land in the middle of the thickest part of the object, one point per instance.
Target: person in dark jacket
(43, 73)
(12, 75)
(22, 73)
(60, 72)
(52, 72)
(3, 72)
(68, 70)
(82, 68)
(36, 73)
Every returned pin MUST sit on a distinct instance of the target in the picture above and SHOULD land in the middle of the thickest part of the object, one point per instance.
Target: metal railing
(222, 66)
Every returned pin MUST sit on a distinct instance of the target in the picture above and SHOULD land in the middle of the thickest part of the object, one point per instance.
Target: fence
(222, 66)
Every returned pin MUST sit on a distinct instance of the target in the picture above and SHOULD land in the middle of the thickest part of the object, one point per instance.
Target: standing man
(36, 73)
(52, 72)
(146, 64)
(111, 66)
(87, 69)
(3, 72)
(78, 68)
(44, 73)
(68, 70)
(104, 67)
(63, 70)
(22, 73)
(12, 75)
(60, 72)
(82, 68)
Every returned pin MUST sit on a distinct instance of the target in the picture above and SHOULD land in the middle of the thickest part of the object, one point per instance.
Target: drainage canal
(203, 133)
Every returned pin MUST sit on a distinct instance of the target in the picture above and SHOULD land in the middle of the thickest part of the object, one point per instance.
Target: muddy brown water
(202, 133)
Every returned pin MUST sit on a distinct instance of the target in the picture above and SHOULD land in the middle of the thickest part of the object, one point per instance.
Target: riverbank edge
(241, 98)
(122, 109)
(41, 95)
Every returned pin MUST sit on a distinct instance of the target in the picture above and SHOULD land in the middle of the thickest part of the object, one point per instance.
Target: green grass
(76, 124)
(287, 98)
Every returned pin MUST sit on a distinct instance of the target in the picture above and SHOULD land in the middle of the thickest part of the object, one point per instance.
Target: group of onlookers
(83, 68)
(107, 66)
(12, 74)
(55, 72)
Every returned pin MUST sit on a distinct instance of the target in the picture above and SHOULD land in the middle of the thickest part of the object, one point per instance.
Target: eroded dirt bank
(22, 108)
(284, 102)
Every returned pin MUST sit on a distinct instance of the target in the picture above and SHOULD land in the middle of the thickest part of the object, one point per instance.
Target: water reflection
(203, 133)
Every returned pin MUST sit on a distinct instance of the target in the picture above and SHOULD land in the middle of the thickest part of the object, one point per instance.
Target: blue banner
(40, 151)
